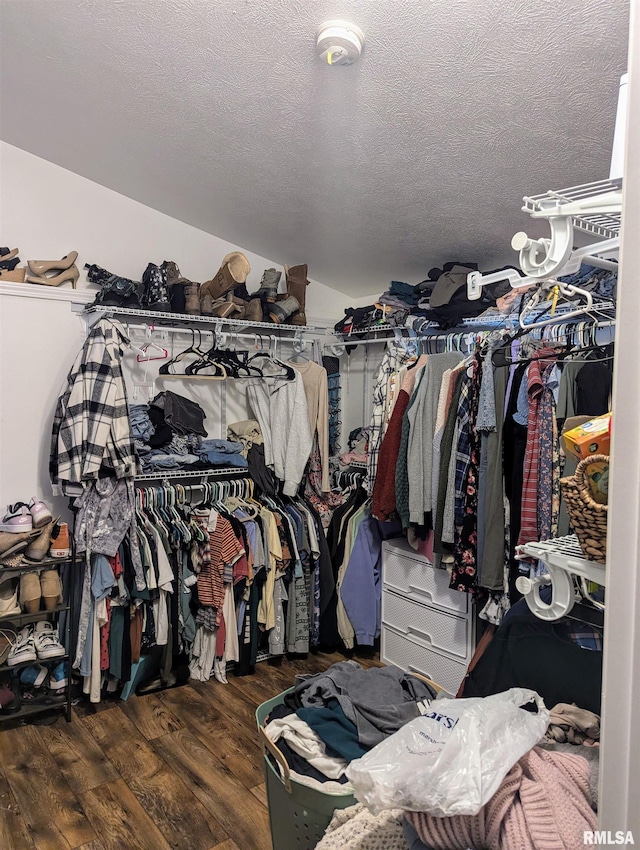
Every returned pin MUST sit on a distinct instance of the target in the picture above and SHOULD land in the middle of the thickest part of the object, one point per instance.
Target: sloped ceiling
(218, 114)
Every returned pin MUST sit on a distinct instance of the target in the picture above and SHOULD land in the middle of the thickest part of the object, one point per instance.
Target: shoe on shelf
(51, 588)
(156, 294)
(233, 270)
(269, 285)
(224, 309)
(9, 597)
(37, 550)
(17, 518)
(59, 547)
(281, 310)
(40, 513)
(11, 542)
(58, 678)
(13, 275)
(46, 640)
(8, 637)
(297, 283)
(69, 275)
(34, 676)
(30, 593)
(9, 259)
(183, 293)
(41, 267)
(24, 648)
(253, 310)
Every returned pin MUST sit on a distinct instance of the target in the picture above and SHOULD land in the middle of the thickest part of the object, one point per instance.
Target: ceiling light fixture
(339, 43)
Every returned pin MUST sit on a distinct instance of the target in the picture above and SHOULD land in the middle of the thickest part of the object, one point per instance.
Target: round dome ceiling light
(339, 43)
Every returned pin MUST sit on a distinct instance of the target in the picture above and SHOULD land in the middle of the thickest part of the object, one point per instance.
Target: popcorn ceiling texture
(217, 113)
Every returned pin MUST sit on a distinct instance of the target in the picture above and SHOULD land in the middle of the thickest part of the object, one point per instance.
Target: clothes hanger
(299, 356)
(289, 371)
(164, 370)
(143, 353)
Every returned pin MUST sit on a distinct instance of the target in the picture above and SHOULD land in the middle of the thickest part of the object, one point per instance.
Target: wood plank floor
(176, 769)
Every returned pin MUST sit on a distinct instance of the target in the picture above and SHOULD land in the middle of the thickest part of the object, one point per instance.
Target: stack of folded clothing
(441, 301)
(398, 301)
(358, 444)
(168, 434)
(332, 718)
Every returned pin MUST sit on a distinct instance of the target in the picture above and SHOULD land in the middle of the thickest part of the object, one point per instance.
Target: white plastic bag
(451, 760)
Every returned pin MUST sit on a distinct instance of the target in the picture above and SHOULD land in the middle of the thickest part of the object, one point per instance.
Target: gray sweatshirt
(423, 422)
(280, 406)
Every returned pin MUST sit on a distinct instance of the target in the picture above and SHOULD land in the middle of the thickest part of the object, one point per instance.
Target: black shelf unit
(45, 703)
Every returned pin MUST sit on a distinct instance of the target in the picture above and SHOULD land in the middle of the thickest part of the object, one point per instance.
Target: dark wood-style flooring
(180, 768)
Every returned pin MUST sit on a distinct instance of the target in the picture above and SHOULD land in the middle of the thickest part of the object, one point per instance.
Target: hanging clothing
(91, 435)
(314, 379)
(394, 358)
(280, 407)
(422, 419)
(544, 361)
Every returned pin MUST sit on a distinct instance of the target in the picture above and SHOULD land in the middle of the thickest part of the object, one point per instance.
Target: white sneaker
(47, 642)
(24, 648)
(17, 518)
(40, 513)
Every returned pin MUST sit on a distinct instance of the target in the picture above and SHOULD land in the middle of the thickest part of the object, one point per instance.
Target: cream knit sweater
(314, 378)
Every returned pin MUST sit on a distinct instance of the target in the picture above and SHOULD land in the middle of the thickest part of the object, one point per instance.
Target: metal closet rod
(215, 332)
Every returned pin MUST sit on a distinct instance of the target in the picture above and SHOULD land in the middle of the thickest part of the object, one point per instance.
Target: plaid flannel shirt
(91, 430)
(463, 449)
(394, 358)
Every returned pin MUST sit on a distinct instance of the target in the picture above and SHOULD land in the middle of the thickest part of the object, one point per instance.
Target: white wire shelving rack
(594, 209)
(176, 474)
(563, 559)
(166, 320)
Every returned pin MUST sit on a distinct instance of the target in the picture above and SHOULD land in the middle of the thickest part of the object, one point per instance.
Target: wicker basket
(588, 518)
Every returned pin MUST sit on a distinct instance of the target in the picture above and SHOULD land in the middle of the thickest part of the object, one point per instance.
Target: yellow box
(591, 438)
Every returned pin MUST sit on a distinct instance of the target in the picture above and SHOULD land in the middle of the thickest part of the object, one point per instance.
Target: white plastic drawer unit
(427, 626)
(411, 575)
(415, 658)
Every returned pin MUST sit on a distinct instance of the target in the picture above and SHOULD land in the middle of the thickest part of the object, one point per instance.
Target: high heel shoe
(71, 274)
(15, 275)
(41, 267)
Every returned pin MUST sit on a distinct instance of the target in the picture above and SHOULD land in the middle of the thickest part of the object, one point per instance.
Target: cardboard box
(591, 438)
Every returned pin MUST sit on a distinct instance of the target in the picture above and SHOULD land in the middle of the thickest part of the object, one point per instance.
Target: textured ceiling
(218, 114)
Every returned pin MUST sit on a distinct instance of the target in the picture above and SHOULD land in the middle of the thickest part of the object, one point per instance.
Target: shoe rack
(47, 702)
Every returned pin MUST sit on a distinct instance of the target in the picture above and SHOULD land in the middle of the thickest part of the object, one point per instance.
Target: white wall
(47, 211)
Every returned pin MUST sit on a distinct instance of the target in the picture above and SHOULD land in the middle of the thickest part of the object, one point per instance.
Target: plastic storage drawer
(417, 658)
(427, 626)
(410, 575)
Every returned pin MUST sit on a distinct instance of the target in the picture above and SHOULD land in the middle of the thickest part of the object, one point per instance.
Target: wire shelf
(167, 474)
(566, 553)
(165, 319)
(602, 225)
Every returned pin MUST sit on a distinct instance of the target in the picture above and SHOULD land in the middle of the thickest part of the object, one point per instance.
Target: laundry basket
(299, 815)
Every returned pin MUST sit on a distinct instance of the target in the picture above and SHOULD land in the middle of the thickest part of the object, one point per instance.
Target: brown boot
(206, 304)
(187, 300)
(297, 286)
(253, 310)
(192, 298)
(233, 271)
(224, 309)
